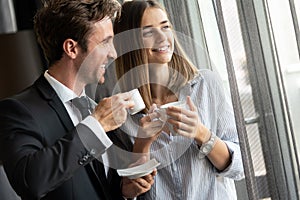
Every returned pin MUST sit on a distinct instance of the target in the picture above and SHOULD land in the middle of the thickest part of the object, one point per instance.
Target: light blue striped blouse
(184, 173)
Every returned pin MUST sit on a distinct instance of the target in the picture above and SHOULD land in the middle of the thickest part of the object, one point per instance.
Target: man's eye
(166, 27)
(106, 43)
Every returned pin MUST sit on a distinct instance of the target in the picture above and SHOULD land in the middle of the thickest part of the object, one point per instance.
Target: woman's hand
(187, 123)
(150, 128)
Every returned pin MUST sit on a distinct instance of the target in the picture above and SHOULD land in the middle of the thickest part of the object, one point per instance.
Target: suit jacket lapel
(50, 95)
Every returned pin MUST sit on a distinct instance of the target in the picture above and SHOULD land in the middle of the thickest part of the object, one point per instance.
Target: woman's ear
(70, 48)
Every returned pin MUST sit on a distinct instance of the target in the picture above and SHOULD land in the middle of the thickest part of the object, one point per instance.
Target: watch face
(206, 148)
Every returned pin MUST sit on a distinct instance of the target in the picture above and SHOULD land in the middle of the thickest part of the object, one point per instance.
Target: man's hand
(111, 112)
(134, 187)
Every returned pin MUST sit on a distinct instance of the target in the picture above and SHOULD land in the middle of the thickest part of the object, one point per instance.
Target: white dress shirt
(66, 95)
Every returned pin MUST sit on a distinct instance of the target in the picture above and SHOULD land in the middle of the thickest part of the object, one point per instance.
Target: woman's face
(157, 36)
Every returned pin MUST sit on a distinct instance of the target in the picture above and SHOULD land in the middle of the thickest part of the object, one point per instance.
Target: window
(260, 47)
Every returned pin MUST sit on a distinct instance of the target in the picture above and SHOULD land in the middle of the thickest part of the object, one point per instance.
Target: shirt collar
(197, 77)
(64, 93)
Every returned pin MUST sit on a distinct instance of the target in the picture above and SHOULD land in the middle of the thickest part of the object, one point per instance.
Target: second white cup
(162, 108)
(163, 115)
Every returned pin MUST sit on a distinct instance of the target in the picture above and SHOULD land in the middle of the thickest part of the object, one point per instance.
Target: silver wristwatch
(206, 147)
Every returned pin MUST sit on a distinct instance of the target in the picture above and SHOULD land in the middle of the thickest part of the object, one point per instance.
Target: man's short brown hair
(59, 20)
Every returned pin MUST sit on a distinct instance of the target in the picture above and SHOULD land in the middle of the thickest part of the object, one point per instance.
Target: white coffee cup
(163, 115)
(138, 102)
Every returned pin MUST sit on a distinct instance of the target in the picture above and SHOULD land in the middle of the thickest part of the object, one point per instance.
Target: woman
(200, 157)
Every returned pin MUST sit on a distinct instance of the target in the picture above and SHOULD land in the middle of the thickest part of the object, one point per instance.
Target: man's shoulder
(38, 88)
(30, 97)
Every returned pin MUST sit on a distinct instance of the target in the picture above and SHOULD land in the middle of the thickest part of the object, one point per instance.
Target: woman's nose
(160, 35)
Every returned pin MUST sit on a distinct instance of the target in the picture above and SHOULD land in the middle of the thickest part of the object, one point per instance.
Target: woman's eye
(147, 33)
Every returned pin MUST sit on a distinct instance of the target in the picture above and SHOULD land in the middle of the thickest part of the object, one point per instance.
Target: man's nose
(112, 52)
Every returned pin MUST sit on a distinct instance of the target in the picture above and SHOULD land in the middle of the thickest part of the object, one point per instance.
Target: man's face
(100, 51)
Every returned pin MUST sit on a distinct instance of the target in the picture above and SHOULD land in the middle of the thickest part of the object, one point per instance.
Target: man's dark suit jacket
(41, 149)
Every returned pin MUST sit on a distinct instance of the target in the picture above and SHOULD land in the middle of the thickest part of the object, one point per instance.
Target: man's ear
(70, 48)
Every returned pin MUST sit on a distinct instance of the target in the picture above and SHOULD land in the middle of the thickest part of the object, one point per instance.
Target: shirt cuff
(98, 130)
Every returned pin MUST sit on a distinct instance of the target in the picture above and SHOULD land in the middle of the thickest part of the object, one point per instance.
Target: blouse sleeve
(225, 126)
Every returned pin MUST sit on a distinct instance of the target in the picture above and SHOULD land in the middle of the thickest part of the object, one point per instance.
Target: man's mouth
(103, 66)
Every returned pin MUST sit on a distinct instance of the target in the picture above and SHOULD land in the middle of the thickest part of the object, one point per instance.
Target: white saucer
(140, 170)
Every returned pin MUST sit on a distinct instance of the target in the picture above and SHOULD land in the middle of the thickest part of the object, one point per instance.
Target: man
(47, 144)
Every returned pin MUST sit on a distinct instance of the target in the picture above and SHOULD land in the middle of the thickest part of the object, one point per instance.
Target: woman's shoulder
(206, 76)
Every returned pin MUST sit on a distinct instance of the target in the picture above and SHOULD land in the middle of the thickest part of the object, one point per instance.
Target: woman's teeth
(161, 48)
